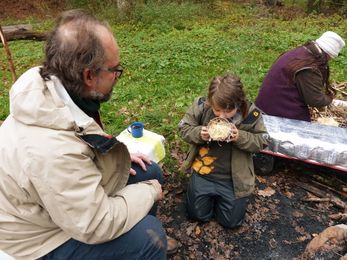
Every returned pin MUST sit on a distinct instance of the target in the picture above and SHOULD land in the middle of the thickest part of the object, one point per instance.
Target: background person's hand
(141, 159)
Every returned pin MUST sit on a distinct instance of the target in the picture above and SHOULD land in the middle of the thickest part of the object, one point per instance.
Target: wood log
(341, 193)
(25, 35)
(316, 199)
(315, 191)
(339, 90)
(22, 32)
(322, 194)
(339, 85)
(17, 27)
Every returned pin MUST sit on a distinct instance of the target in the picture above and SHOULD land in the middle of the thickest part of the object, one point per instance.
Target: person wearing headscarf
(299, 79)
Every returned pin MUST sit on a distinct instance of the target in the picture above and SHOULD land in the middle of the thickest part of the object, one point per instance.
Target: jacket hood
(34, 101)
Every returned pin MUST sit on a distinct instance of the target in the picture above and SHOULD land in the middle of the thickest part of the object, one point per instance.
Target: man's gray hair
(71, 47)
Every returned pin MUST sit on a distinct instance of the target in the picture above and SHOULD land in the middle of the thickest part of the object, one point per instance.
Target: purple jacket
(278, 95)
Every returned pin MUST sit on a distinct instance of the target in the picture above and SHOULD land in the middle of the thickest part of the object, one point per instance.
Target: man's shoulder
(31, 75)
(32, 72)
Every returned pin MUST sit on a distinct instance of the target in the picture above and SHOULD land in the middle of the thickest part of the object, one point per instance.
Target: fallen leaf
(261, 179)
(267, 192)
(302, 238)
(273, 243)
(330, 238)
(289, 194)
(197, 231)
(299, 229)
(297, 214)
(190, 229)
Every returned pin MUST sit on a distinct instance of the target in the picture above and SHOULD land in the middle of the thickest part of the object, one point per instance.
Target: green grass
(170, 57)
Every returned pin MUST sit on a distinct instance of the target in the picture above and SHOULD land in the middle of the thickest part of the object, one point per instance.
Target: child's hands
(234, 136)
(204, 134)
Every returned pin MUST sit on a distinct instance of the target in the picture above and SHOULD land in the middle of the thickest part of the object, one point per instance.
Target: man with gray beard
(69, 190)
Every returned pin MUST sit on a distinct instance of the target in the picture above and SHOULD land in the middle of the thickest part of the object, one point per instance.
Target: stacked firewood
(333, 115)
(341, 90)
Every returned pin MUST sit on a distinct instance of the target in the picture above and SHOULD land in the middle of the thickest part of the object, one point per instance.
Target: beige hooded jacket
(53, 185)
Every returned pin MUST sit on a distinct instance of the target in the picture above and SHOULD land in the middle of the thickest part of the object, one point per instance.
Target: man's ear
(88, 77)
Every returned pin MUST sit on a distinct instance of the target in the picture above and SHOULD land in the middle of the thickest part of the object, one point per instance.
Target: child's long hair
(226, 92)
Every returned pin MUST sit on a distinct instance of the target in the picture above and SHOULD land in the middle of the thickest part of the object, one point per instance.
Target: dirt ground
(279, 221)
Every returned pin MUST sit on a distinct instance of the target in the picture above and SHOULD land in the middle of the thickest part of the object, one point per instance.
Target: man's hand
(157, 187)
(140, 159)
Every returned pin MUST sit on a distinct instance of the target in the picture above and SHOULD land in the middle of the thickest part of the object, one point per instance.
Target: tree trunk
(314, 5)
(125, 7)
(271, 2)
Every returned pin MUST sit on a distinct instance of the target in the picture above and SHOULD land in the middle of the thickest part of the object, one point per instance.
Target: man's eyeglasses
(117, 70)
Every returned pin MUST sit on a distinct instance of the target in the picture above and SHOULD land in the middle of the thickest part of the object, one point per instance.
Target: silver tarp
(323, 144)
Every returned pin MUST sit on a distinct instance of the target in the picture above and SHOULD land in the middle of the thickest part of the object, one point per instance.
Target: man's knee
(154, 172)
(152, 236)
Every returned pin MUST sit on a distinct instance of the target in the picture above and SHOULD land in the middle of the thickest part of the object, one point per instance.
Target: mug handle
(128, 128)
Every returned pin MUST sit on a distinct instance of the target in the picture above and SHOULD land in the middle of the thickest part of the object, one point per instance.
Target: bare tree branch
(8, 55)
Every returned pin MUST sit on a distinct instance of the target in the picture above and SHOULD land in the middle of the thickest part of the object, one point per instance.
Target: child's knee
(231, 218)
(230, 222)
(202, 215)
(200, 212)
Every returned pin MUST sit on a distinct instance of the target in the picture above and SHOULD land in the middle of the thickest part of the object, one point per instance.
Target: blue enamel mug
(136, 129)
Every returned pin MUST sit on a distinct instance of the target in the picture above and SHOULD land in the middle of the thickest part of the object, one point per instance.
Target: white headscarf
(331, 43)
